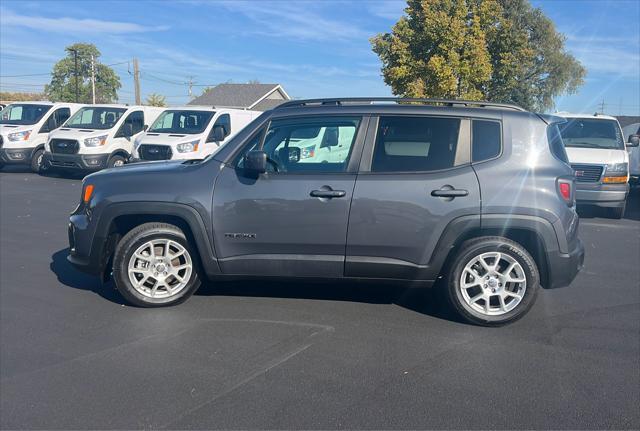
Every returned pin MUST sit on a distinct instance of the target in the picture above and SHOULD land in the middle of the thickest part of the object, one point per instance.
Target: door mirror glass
(127, 130)
(634, 141)
(255, 162)
(218, 133)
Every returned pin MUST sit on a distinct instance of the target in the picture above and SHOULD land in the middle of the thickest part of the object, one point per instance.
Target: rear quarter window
(555, 143)
(486, 140)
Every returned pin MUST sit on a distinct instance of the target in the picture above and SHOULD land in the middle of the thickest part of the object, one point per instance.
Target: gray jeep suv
(474, 195)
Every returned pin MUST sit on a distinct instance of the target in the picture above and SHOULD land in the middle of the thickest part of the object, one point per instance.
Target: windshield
(23, 113)
(587, 133)
(178, 121)
(95, 117)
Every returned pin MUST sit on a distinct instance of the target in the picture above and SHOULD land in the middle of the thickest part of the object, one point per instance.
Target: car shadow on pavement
(428, 301)
(71, 277)
(632, 212)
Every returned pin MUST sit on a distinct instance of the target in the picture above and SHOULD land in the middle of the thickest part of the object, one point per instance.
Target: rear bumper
(563, 267)
(16, 156)
(84, 162)
(605, 195)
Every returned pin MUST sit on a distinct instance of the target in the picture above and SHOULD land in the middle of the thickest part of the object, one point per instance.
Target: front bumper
(86, 251)
(84, 162)
(563, 267)
(16, 156)
(604, 195)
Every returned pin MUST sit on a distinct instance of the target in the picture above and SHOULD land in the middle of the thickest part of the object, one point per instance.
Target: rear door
(293, 219)
(415, 179)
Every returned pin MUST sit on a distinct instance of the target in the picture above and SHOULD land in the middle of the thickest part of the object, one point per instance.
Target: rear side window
(415, 144)
(556, 144)
(486, 142)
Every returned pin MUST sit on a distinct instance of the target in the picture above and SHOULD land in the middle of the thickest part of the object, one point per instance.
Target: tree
(498, 50)
(155, 99)
(63, 81)
(9, 96)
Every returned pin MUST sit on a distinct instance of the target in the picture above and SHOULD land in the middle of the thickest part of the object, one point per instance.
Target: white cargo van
(25, 128)
(190, 132)
(596, 150)
(98, 136)
(632, 135)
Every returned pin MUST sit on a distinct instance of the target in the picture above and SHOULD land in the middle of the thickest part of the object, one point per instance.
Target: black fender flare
(201, 235)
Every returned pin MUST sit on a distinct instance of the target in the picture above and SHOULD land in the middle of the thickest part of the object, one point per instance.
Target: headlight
(19, 136)
(188, 147)
(617, 169)
(96, 141)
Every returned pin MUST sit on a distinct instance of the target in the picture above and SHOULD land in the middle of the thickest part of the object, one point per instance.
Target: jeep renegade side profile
(478, 194)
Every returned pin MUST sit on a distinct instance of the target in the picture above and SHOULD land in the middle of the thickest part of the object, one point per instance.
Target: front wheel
(36, 161)
(492, 281)
(116, 161)
(154, 266)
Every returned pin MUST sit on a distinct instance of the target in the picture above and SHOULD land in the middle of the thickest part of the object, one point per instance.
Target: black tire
(617, 213)
(475, 247)
(36, 160)
(130, 243)
(115, 160)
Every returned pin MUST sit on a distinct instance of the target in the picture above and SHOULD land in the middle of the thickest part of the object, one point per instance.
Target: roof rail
(447, 102)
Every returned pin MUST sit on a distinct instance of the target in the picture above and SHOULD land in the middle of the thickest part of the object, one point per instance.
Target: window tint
(406, 144)
(137, 121)
(224, 121)
(486, 140)
(62, 115)
(555, 143)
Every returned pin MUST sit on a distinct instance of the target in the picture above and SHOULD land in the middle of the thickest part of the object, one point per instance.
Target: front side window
(182, 122)
(415, 144)
(486, 142)
(23, 113)
(591, 133)
(312, 144)
(59, 117)
(95, 117)
(137, 121)
(224, 121)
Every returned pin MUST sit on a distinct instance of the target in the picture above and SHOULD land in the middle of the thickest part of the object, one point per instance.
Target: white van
(190, 132)
(25, 128)
(632, 135)
(98, 137)
(596, 150)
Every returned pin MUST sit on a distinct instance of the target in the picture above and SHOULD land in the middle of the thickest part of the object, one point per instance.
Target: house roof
(240, 96)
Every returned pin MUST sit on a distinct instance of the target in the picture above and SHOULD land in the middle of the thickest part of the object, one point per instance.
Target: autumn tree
(155, 99)
(62, 87)
(498, 50)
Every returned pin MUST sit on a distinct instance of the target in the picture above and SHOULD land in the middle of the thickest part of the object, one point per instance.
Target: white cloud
(73, 25)
(387, 9)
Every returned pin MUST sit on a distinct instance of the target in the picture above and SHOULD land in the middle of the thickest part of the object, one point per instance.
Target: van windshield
(95, 117)
(588, 133)
(23, 114)
(179, 121)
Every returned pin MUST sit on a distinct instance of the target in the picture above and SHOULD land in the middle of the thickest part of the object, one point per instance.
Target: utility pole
(75, 72)
(191, 87)
(136, 80)
(602, 107)
(93, 80)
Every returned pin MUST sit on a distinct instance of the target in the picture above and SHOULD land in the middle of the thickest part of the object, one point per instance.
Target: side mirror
(289, 154)
(218, 133)
(634, 141)
(255, 162)
(51, 123)
(145, 127)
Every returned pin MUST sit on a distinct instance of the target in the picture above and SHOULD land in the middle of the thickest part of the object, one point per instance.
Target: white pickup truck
(190, 132)
(25, 128)
(98, 137)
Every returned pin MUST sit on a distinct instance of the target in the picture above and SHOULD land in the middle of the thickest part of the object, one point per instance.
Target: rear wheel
(492, 281)
(36, 160)
(154, 266)
(115, 161)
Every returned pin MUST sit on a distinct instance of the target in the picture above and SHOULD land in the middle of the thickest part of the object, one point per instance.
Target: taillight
(565, 190)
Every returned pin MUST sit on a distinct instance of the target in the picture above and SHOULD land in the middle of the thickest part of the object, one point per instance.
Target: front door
(291, 220)
(416, 179)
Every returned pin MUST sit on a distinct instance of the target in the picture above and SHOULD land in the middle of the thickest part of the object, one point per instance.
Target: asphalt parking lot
(314, 356)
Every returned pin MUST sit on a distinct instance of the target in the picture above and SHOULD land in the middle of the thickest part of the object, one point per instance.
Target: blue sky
(313, 48)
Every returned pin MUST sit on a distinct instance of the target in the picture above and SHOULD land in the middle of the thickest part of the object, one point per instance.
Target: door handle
(327, 194)
(449, 193)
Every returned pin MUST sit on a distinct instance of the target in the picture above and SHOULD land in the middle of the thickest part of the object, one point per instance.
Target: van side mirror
(255, 162)
(218, 133)
(634, 141)
(51, 123)
(145, 127)
(126, 131)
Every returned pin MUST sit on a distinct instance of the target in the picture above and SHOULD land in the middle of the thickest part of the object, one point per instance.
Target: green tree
(155, 99)
(63, 80)
(498, 50)
(8, 96)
